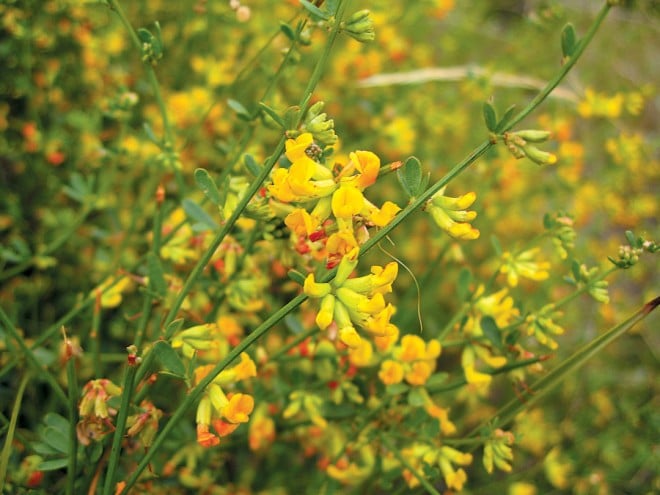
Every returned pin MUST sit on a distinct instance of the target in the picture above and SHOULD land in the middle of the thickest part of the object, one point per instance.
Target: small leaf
(150, 134)
(314, 10)
(575, 270)
(288, 31)
(506, 118)
(568, 40)
(169, 359)
(630, 237)
(53, 464)
(56, 421)
(207, 185)
(251, 165)
(436, 379)
(240, 110)
(416, 397)
(44, 449)
(196, 213)
(463, 285)
(396, 389)
(173, 327)
(145, 36)
(490, 116)
(410, 176)
(272, 114)
(156, 275)
(56, 438)
(491, 331)
(297, 277)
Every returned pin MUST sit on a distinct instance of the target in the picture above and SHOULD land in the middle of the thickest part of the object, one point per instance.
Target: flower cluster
(413, 360)
(95, 414)
(350, 302)
(325, 208)
(224, 411)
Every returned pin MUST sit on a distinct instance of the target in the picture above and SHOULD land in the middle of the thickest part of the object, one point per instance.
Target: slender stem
(568, 65)
(201, 264)
(420, 477)
(72, 384)
(153, 81)
(122, 416)
(6, 448)
(40, 370)
(570, 365)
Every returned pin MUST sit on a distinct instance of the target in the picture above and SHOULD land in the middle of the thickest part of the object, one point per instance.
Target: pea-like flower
(452, 215)
(524, 265)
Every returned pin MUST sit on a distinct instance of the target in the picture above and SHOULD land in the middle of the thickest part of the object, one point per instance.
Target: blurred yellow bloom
(523, 265)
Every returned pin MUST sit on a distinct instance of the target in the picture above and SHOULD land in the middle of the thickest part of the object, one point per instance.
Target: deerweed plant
(234, 262)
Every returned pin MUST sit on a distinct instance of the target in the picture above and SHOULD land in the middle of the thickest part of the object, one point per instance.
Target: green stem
(6, 448)
(570, 365)
(122, 416)
(568, 65)
(420, 477)
(95, 337)
(153, 81)
(40, 371)
(196, 392)
(573, 295)
(72, 384)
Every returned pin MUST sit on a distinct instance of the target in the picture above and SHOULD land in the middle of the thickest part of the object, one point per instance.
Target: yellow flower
(391, 372)
(452, 216)
(362, 354)
(239, 408)
(111, 295)
(295, 148)
(368, 164)
(523, 265)
(347, 201)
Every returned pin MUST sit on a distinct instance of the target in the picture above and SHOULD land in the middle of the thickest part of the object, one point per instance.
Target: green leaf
(575, 270)
(416, 397)
(169, 359)
(490, 116)
(150, 134)
(273, 114)
(463, 285)
(173, 327)
(296, 276)
(251, 165)
(410, 176)
(568, 40)
(44, 449)
(53, 464)
(396, 389)
(288, 31)
(314, 10)
(156, 275)
(56, 438)
(630, 237)
(240, 110)
(506, 118)
(436, 379)
(56, 421)
(196, 213)
(206, 183)
(491, 331)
